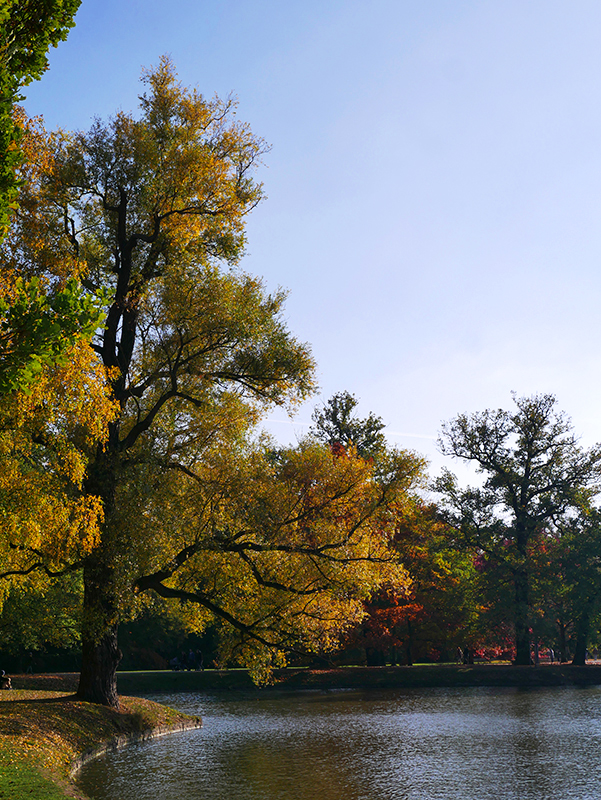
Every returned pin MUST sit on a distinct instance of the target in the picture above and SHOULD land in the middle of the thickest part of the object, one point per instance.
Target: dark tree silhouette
(535, 476)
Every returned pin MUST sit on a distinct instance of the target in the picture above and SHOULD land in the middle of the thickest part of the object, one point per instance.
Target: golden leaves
(287, 542)
(46, 437)
(35, 244)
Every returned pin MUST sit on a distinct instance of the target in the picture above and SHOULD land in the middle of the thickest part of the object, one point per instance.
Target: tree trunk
(100, 651)
(563, 649)
(409, 644)
(581, 640)
(98, 678)
(522, 629)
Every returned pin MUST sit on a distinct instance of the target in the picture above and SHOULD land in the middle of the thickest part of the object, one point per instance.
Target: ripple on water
(435, 744)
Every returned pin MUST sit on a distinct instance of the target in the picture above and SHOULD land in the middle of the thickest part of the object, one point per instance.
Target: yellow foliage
(35, 244)
(46, 438)
(281, 545)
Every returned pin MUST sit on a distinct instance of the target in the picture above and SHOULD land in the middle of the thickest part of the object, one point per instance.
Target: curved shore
(116, 743)
(46, 734)
(46, 737)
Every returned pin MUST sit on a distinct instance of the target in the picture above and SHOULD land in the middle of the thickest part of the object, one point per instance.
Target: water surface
(419, 744)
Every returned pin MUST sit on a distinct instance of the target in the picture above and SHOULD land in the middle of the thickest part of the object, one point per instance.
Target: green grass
(22, 781)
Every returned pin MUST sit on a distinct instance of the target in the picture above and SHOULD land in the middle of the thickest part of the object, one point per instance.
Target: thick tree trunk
(100, 651)
(98, 678)
(522, 629)
(581, 640)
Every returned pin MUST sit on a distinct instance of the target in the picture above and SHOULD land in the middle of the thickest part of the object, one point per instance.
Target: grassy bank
(45, 734)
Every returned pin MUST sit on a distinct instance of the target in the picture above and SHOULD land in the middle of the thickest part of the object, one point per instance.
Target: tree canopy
(280, 547)
(38, 322)
(336, 424)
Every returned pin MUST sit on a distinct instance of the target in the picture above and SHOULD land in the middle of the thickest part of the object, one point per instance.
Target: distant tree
(438, 610)
(443, 585)
(335, 424)
(536, 475)
(387, 628)
(570, 583)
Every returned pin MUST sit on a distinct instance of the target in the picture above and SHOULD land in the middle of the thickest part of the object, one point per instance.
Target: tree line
(136, 362)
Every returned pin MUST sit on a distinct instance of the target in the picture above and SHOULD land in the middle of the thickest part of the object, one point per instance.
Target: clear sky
(434, 185)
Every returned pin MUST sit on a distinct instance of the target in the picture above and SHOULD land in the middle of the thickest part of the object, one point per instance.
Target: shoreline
(295, 678)
(123, 740)
(46, 737)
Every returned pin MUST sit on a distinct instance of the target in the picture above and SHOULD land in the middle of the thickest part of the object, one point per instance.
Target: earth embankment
(419, 676)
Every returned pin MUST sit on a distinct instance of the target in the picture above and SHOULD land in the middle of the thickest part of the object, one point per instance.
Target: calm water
(413, 745)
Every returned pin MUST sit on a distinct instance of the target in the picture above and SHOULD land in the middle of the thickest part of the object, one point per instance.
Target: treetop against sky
(433, 202)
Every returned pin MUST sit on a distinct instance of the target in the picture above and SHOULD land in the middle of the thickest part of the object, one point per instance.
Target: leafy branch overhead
(38, 329)
(28, 28)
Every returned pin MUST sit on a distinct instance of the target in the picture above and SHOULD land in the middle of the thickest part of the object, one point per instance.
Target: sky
(433, 186)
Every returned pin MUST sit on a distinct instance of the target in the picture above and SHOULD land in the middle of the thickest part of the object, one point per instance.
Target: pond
(429, 744)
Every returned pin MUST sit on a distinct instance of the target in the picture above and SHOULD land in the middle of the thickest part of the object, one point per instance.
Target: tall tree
(535, 474)
(150, 207)
(336, 424)
(570, 583)
(281, 546)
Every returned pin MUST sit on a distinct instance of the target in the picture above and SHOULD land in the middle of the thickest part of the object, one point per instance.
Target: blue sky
(434, 184)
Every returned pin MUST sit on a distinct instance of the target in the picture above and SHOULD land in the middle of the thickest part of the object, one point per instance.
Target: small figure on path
(29, 670)
(200, 664)
(191, 660)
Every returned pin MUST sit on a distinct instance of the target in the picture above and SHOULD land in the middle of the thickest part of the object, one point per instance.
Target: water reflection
(415, 745)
